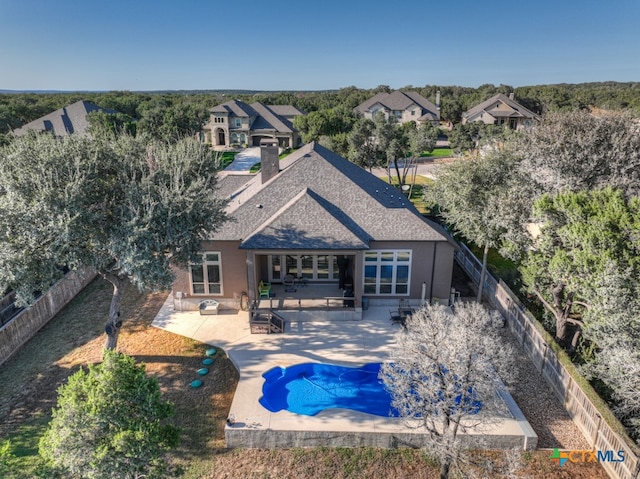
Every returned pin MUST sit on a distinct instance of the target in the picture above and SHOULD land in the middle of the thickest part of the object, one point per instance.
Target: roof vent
(258, 205)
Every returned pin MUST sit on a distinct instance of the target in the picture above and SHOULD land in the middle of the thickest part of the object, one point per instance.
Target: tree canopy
(110, 422)
(581, 233)
(442, 371)
(126, 207)
(485, 199)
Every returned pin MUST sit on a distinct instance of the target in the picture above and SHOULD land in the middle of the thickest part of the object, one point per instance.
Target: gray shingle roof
(319, 200)
(290, 227)
(71, 119)
(265, 117)
(267, 120)
(285, 110)
(399, 100)
(235, 107)
(517, 108)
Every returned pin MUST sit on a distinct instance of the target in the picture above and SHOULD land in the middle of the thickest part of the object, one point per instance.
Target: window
(313, 267)
(387, 272)
(206, 278)
(238, 122)
(234, 138)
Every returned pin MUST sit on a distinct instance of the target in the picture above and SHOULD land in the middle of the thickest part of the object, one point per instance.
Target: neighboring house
(404, 106)
(71, 119)
(236, 123)
(501, 110)
(329, 222)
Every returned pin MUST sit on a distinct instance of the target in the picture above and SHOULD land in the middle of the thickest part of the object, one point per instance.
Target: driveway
(245, 159)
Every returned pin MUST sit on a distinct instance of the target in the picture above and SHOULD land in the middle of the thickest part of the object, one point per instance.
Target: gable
(354, 199)
(290, 228)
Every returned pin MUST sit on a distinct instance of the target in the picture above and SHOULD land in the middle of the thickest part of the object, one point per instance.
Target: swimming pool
(309, 388)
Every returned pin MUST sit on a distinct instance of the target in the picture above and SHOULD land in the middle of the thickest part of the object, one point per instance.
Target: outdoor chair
(404, 308)
(288, 281)
(396, 318)
(264, 289)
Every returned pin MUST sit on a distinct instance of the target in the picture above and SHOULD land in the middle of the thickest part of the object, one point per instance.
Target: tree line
(562, 200)
(169, 114)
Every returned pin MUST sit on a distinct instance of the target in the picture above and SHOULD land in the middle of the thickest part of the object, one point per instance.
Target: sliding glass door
(313, 267)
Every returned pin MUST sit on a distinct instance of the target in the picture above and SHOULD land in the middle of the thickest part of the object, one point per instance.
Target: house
(404, 106)
(320, 219)
(235, 122)
(71, 119)
(501, 110)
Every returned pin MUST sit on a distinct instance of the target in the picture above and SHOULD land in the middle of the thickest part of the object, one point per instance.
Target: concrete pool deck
(348, 343)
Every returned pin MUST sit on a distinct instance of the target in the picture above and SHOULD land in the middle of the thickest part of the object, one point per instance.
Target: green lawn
(416, 192)
(438, 153)
(227, 158)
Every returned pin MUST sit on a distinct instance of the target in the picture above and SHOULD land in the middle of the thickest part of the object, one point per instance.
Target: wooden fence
(526, 328)
(26, 324)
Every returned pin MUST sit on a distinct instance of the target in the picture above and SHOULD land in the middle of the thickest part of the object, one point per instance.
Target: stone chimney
(438, 99)
(269, 158)
(512, 96)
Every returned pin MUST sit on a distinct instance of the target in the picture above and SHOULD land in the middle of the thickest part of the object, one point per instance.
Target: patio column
(252, 282)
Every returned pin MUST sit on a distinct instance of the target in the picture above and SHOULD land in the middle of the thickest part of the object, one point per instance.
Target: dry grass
(74, 338)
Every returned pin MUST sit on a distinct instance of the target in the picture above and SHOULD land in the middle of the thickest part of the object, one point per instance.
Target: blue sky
(314, 45)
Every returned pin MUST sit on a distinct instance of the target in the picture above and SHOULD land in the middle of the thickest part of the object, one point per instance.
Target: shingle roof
(517, 108)
(399, 100)
(71, 119)
(290, 227)
(286, 110)
(319, 200)
(236, 107)
(265, 118)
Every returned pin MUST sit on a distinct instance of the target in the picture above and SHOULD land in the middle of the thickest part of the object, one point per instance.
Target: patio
(338, 342)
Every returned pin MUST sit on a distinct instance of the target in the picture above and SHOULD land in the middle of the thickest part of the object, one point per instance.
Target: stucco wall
(438, 284)
(234, 277)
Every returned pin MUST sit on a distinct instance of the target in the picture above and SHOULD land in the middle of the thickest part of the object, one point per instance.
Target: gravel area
(540, 405)
(532, 393)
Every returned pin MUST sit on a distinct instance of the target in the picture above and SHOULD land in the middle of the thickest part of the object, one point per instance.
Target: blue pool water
(309, 388)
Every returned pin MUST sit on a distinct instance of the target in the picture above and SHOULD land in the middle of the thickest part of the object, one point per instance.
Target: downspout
(433, 271)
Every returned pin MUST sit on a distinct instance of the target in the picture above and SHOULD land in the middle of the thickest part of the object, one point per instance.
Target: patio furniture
(209, 307)
(264, 289)
(288, 281)
(396, 318)
(404, 308)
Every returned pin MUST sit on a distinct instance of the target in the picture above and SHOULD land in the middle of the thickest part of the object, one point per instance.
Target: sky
(141, 45)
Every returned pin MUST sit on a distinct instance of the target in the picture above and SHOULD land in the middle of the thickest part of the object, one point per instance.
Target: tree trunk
(483, 273)
(400, 179)
(563, 309)
(445, 469)
(114, 323)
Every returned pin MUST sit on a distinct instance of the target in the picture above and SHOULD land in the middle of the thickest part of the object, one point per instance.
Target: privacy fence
(26, 323)
(527, 329)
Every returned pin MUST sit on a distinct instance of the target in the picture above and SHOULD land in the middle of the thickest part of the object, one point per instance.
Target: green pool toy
(212, 352)
(203, 371)
(207, 362)
(196, 384)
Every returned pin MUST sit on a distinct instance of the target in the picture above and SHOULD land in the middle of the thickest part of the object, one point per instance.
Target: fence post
(544, 357)
(594, 438)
